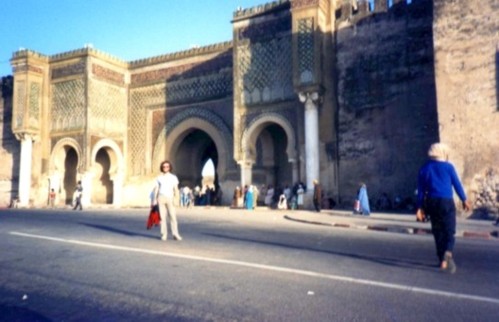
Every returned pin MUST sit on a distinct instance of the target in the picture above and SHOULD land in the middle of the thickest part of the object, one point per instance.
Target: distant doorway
(69, 181)
(102, 186)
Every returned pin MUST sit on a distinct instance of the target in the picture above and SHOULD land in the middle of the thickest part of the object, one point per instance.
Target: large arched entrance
(189, 145)
(190, 156)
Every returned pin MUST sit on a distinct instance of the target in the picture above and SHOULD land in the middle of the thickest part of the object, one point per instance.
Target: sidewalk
(391, 222)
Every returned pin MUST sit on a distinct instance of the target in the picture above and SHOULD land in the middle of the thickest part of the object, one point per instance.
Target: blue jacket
(436, 180)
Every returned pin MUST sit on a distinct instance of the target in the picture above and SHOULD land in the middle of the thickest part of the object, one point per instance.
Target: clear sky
(126, 29)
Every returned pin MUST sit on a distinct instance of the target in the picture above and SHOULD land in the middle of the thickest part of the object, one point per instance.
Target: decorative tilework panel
(107, 109)
(305, 42)
(265, 71)
(34, 105)
(200, 88)
(68, 105)
(140, 99)
(21, 104)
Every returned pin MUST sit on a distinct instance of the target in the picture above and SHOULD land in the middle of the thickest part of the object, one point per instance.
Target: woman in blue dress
(363, 200)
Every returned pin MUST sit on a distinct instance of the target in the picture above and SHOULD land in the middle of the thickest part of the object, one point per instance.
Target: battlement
(352, 11)
(182, 54)
(25, 53)
(86, 51)
(241, 13)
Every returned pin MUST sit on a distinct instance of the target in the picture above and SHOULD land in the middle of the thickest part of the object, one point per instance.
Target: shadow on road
(385, 261)
(119, 231)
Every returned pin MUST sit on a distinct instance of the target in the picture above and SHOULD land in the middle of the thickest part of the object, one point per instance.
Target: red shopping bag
(356, 206)
(154, 217)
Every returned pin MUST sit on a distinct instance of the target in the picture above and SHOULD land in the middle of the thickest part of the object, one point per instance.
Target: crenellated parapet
(261, 9)
(88, 51)
(219, 47)
(352, 11)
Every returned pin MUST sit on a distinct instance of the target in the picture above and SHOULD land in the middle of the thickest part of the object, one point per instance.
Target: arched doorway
(268, 152)
(272, 165)
(190, 142)
(102, 186)
(70, 172)
(190, 155)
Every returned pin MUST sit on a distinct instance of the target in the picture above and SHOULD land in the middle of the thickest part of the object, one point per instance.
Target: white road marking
(400, 287)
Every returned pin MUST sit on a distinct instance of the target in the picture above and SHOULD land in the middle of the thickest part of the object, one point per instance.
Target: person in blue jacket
(436, 180)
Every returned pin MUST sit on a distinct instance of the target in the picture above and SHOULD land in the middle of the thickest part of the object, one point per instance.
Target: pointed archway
(268, 152)
(102, 186)
(65, 164)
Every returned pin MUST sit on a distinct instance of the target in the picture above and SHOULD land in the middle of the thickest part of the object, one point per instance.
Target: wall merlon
(353, 12)
(25, 53)
(264, 8)
(380, 5)
(344, 12)
(363, 8)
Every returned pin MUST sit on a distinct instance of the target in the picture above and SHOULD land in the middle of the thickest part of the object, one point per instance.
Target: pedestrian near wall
(299, 197)
(436, 180)
(166, 195)
(52, 196)
(78, 194)
(363, 198)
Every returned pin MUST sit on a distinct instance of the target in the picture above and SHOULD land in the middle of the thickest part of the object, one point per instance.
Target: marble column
(86, 184)
(294, 167)
(118, 180)
(25, 169)
(310, 100)
(246, 172)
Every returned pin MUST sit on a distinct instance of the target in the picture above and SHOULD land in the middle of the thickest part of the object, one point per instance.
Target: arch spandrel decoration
(252, 132)
(195, 118)
(58, 154)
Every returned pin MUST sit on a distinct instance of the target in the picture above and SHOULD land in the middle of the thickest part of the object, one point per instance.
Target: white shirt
(167, 183)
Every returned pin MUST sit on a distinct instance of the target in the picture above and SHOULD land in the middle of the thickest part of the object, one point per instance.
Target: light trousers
(167, 212)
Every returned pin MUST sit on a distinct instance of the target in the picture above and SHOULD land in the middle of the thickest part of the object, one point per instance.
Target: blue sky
(127, 29)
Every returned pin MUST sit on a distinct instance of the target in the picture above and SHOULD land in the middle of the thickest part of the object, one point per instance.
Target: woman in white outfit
(165, 195)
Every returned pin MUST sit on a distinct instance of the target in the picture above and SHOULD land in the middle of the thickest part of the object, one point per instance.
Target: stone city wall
(386, 96)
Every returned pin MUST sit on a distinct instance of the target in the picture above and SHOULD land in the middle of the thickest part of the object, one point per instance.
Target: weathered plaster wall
(466, 38)
(9, 148)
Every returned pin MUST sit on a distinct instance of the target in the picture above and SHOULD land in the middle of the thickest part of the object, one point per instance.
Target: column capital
(21, 136)
(311, 100)
(245, 163)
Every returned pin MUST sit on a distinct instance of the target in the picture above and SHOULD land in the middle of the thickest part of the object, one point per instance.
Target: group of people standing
(250, 197)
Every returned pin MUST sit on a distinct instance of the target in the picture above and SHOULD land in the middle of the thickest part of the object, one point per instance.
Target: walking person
(77, 196)
(52, 196)
(249, 198)
(436, 180)
(166, 196)
(363, 199)
(299, 197)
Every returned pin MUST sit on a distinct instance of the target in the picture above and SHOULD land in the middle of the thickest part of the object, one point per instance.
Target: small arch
(114, 152)
(250, 136)
(58, 154)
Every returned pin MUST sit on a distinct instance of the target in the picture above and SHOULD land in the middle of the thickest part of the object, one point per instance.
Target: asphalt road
(232, 265)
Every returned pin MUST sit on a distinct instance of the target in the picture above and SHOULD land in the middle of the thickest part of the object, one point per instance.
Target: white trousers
(167, 212)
